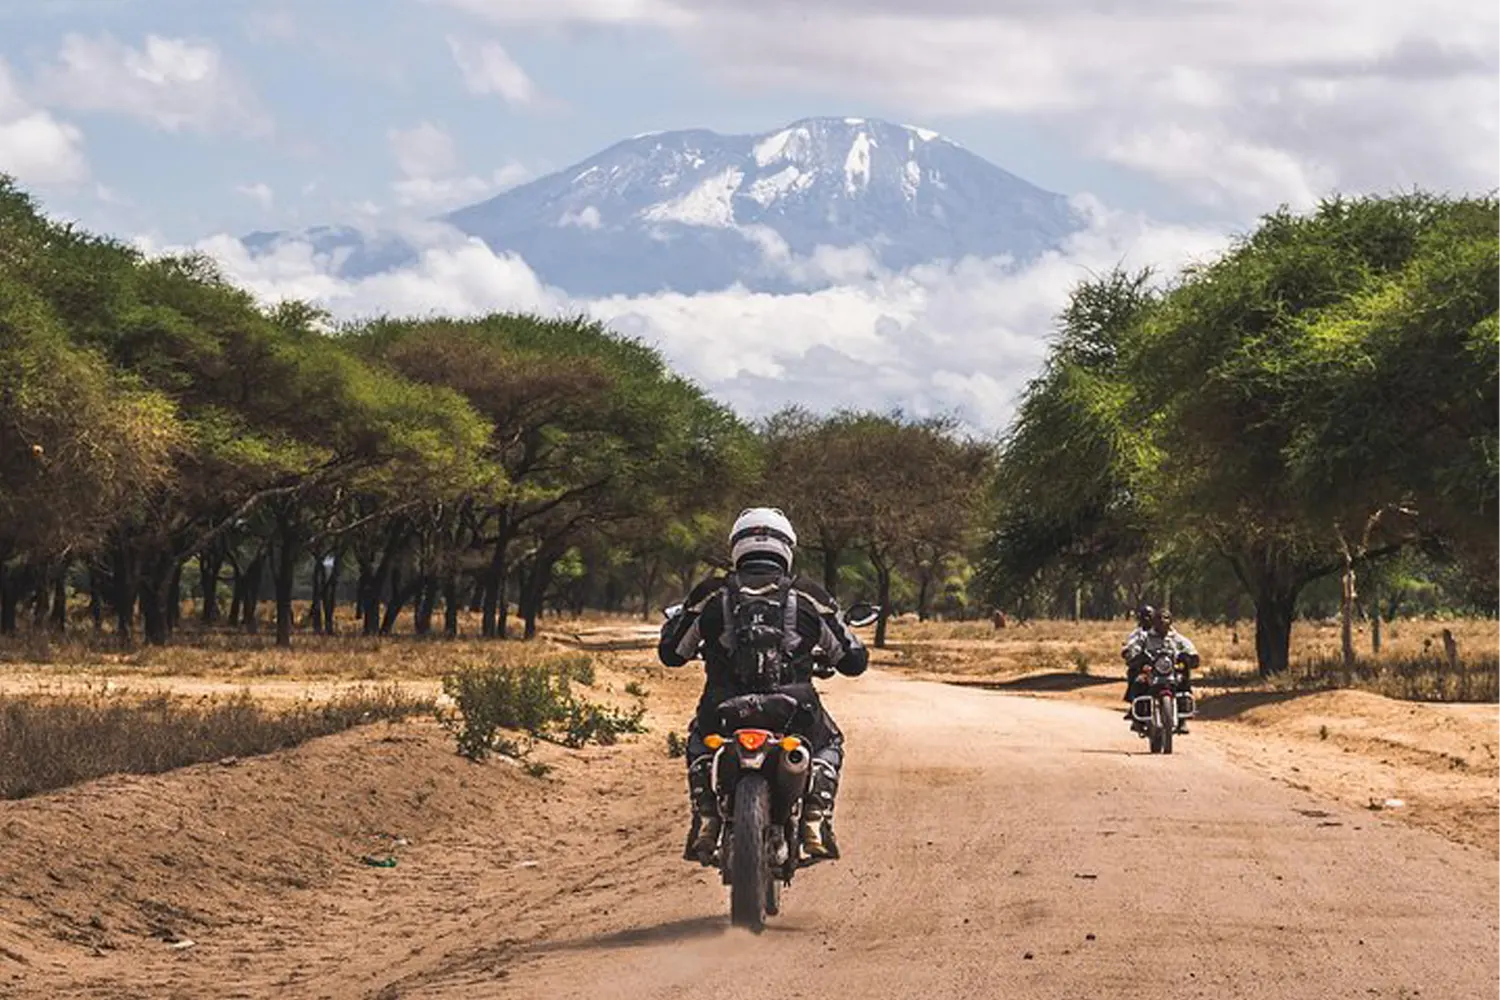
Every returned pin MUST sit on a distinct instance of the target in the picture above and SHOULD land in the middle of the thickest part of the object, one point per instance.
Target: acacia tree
(1234, 412)
(1413, 359)
(905, 484)
(1216, 377)
(77, 446)
(1067, 504)
(589, 429)
(808, 472)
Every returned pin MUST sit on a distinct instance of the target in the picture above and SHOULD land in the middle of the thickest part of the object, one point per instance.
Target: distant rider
(1144, 646)
(762, 543)
(1144, 615)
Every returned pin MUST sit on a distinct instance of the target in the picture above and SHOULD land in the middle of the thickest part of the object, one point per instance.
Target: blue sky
(324, 81)
(188, 122)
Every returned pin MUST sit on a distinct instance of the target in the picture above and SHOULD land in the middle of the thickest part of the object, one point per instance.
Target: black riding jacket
(700, 624)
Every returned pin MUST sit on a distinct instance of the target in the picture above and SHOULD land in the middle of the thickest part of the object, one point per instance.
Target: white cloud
(432, 171)
(259, 192)
(1244, 104)
(424, 151)
(653, 12)
(585, 218)
(172, 83)
(935, 338)
(488, 69)
(36, 148)
(272, 24)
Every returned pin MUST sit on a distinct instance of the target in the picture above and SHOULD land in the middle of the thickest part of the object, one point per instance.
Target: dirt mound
(251, 873)
(1443, 737)
(136, 862)
(1435, 764)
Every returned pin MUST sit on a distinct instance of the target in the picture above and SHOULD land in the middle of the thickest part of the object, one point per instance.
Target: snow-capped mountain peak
(694, 210)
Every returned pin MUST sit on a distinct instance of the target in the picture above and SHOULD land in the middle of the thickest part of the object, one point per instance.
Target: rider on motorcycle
(762, 542)
(1143, 617)
(1143, 647)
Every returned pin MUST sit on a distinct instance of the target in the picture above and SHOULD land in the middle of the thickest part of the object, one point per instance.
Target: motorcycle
(761, 770)
(1156, 712)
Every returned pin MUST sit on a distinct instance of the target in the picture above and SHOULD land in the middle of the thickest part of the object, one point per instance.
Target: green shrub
(537, 700)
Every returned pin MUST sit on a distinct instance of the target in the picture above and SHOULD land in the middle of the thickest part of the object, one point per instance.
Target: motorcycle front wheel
(750, 874)
(1168, 721)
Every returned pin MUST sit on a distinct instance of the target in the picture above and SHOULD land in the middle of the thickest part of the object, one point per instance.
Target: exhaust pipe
(791, 781)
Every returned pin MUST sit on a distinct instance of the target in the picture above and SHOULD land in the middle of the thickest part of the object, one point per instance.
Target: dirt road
(989, 837)
(994, 846)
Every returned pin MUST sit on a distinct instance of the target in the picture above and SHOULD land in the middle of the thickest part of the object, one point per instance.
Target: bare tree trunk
(285, 569)
(10, 599)
(96, 598)
(60, 601)
(1274, 608)
(883, 596)
(331, 595)
(319, 580)
(42, 601)
(1346, 614)
(174, 598)
(125, 592)
(236, 592)
(250, 601)
(426, 604)
(208, 580)
(648, 587)
(493, 624)
(155, 593)
(450, 605)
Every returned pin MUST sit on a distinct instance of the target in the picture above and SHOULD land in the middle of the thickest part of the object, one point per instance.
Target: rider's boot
(817, 816)
(703, 838)
(706, 844)
(813, 841)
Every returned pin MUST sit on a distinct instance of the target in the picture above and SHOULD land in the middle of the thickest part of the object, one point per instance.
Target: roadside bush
(52, 741)
(1410, 678)
(535, 699)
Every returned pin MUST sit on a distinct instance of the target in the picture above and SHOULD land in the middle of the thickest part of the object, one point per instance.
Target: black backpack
(760, 632)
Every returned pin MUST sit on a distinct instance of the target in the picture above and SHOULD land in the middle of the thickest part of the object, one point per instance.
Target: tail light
(752, 739)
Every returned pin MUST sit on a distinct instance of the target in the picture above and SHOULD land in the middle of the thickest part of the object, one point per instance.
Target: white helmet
(762, 531)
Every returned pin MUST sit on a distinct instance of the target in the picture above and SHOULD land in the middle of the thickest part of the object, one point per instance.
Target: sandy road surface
(987, 837)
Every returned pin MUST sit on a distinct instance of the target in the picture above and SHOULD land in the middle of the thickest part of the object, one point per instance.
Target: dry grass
(1410, 664)
(239, 656)
(52, 741)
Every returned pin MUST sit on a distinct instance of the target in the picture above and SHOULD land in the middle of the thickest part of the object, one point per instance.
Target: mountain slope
(693, 210)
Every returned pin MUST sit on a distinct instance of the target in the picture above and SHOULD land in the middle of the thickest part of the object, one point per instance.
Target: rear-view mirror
(860, 614)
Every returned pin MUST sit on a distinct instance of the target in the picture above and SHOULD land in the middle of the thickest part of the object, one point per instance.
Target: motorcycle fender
(751, 761)
(715, 781)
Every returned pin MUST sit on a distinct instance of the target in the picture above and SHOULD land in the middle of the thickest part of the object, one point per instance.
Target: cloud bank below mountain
(957, 337)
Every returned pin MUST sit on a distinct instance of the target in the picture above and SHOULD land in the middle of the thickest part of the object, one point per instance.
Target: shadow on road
(1040, 682)
(1227, 706)
(673, 931)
